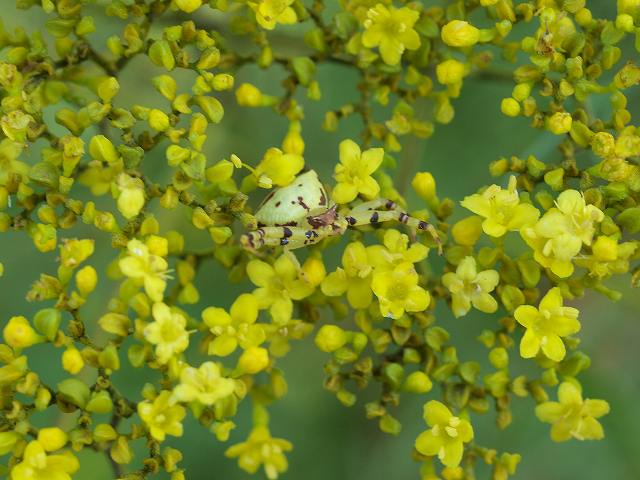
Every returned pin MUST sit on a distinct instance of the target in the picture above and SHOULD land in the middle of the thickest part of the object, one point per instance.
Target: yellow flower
(271, 12)
(205, 384)
(354, 278)
(280, 167)
(18, 333)
(447, 435)
(546, 325)
(469, 287)
(37, 465)
(557, 238)
(572, 416)
(501, 209)
(391, 29)
(398, 291)
(353, 173)
(458, 33)
(235, 328)
(162, 416)
(608, 257)
(167, 332)
(278, 286)
(395, 251)
(150, 270)
(261, 449)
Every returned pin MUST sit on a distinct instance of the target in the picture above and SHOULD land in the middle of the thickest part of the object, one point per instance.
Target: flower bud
(248, 95)
(450, 72)
(559, 123)
(253, 360)
(425, 186)
(458, 33)
(52, 438)
(510, 107)
(72, 360)
(330, 338)
(18, 333)
(418, 382)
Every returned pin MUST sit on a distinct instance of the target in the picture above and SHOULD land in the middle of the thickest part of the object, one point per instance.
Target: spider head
(326, 218)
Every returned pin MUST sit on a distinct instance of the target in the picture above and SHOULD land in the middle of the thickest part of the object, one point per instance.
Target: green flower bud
(74, 391)
(417, 382)
(160, 53)
(100, 403)
(330, 338)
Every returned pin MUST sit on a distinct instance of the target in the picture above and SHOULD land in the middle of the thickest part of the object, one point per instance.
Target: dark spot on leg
(299, 184)
(308, 233)
(422, 225)
(403, 217)
(293, 202)
(351, 220)
(390, 205)
(374, 218)
(278, 204)
(284, 241)
(286, 232)
(260, 232)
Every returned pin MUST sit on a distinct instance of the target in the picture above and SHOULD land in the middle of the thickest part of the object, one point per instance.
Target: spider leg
(377, 204)
(371, 217)
(288, 237)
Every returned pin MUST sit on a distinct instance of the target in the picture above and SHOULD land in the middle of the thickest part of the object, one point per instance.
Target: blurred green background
(331, 441)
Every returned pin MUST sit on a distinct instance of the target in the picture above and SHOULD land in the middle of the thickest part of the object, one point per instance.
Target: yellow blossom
(167, 332)
(271, 12)
(205, 384)
(150, 270)
(18, 333)
(162, 416)
(458, 33)
(354, 278)
(235, 328)
(571, 416)
(447, 435)
(37, 465)
(278, 286)
(546, 325)
(557, 238)
(608, 257)
(398, 291)
(395, 251)
(501, 208)
(353, 173)
(261, 449)
(559, 123)
(280, 167)
(469, 287)
(391, 30)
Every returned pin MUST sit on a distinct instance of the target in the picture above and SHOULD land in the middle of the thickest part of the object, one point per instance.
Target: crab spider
(300, 214)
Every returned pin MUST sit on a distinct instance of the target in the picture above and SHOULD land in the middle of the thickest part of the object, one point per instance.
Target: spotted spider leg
(288, 237)
(369, 213)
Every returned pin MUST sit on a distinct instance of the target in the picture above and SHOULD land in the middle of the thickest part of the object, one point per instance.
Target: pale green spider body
(301, 214)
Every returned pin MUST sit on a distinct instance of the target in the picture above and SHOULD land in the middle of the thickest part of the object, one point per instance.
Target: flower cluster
(119, 192)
